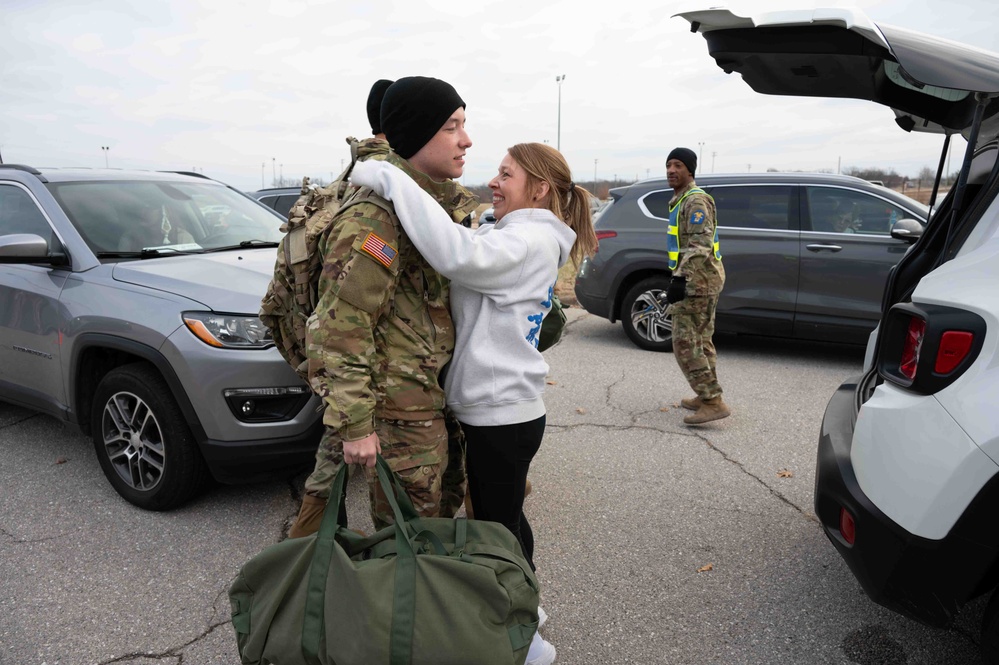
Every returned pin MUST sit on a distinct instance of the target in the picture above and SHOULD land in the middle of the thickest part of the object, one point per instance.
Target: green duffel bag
(552, 326)
(422, 591)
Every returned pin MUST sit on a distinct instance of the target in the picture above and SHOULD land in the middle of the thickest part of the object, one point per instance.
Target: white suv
(907, 478)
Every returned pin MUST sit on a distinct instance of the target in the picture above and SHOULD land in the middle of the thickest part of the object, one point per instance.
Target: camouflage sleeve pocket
(366, 283)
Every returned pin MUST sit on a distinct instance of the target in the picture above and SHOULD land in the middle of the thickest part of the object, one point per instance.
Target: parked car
(487, 217)
(278, 199)
(806, 256)
(128, 307)
(907, 472)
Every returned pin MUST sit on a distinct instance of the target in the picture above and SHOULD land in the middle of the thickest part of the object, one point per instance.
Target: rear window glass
(656, 204)
(755, 206)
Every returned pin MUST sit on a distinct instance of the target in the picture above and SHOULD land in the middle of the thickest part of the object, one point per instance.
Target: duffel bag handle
(404, 602)
(312, 625)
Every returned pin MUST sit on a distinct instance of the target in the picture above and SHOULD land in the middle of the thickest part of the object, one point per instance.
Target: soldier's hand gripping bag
(422, 591)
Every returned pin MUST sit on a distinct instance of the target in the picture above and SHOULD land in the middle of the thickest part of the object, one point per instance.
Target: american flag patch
(380, 250)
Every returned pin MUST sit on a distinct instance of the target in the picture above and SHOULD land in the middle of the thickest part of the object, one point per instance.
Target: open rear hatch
(931, 85)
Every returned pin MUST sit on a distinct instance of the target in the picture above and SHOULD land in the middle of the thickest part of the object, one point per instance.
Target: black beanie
(685, 155)
(375, 104)
(414, 109)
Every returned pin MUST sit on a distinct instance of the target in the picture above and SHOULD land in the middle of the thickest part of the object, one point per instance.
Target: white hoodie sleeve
(489, 263)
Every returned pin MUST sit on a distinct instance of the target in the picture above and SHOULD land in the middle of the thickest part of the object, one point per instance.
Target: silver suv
(128, 307)
(806, 255)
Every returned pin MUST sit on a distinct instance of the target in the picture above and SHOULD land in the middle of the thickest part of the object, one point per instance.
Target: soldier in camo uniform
(382, 330)
(698, 278)
(329, 454)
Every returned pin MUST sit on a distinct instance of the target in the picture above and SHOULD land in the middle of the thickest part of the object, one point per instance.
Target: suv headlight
(228, 331)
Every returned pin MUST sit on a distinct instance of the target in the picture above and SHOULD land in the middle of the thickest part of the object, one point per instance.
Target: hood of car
(232, 282)
(930, 83)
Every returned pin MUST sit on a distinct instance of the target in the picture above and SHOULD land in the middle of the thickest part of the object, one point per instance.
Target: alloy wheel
(133, 441)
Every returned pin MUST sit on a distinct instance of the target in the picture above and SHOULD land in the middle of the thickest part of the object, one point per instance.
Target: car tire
(142, 440)
(989, 642)
(644, 318)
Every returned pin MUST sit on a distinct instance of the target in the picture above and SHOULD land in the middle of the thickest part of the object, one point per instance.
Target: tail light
(927, 347)
(601, 235)
(954, 348)
(911, 347)
(847, 527)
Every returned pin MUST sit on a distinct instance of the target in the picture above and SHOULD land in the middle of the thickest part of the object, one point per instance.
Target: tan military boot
(692, 403)
(310, 516)
(469, 514)
(711, 409)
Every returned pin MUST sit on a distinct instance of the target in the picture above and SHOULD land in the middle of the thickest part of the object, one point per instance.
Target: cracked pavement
(628, 505)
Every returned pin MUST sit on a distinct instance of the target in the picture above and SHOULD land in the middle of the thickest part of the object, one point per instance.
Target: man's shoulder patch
(379, 250)
(697, 216)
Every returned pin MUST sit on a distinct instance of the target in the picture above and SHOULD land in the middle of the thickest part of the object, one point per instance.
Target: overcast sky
(244, 90)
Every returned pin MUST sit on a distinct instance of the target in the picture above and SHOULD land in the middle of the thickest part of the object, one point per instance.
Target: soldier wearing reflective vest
(698, 277)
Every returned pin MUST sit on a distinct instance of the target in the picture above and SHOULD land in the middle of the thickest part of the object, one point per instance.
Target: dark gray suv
(128, 307)
(806, 255)
(278, 199)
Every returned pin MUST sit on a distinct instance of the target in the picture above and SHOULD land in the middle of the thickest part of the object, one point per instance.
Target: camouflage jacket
(382, 329)
(705, 274)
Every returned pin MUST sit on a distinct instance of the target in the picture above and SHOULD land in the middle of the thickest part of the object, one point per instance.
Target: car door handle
(823, 248)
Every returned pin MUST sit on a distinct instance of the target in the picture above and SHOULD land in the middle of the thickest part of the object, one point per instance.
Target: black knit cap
(375, 104)
(413, 111)
(685, 155)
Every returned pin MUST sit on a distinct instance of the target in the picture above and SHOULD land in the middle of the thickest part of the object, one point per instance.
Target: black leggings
(498, 458)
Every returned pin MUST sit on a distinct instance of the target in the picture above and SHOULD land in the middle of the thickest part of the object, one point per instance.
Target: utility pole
(273, 171)
(594, 174)
(700, 150)
(558, 138)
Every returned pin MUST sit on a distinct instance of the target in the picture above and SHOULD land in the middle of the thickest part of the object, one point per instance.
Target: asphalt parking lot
(656, 543)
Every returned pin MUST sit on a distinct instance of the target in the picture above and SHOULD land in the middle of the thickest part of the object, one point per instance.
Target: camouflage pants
(693, 328)
(329, 457)
(429, 457)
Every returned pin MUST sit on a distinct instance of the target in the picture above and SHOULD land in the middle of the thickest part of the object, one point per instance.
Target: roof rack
(194, 173)
(24, 167)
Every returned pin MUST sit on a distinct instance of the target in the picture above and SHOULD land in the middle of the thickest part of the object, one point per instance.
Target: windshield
(126, 217)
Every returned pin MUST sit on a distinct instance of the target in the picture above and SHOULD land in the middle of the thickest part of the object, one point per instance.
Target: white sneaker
(540, 652)
(542, 617)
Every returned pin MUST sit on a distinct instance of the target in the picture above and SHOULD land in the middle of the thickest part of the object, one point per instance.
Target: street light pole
(558, 138)
(105, 149)
(700, 150)
(594, 174)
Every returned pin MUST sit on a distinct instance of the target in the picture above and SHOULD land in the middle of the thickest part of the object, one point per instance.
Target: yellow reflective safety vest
(673, 234)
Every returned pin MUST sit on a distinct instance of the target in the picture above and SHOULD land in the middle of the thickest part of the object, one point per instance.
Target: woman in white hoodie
(502, 279)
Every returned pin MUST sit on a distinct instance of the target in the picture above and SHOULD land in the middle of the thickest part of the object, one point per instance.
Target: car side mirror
(908, 230)
(28, 248)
